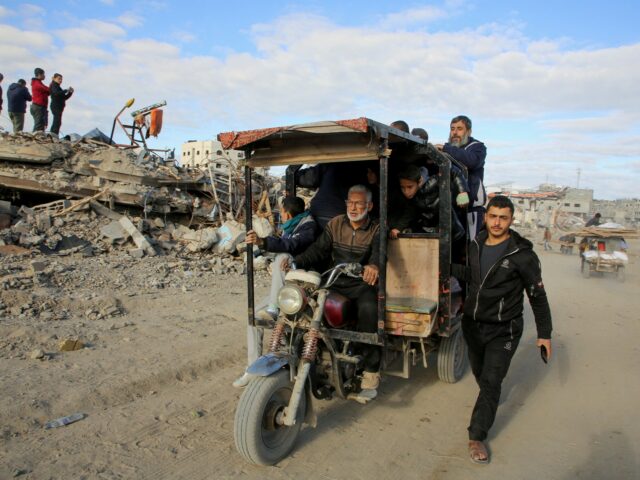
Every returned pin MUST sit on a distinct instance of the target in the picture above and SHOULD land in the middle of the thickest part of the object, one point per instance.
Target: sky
(552, 88)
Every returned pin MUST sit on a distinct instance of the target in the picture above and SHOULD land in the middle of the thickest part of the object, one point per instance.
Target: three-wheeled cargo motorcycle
(313, 348)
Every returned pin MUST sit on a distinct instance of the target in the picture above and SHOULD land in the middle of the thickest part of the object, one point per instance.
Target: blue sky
(552, 87)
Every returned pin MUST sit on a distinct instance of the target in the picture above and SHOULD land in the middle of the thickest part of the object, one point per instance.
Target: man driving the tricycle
(354, 238)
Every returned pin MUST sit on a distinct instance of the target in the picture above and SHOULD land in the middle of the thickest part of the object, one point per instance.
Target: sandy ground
(155, 381)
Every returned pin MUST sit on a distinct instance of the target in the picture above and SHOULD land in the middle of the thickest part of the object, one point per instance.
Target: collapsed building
(44, 182)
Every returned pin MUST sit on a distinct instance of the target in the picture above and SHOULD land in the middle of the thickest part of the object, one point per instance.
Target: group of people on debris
(325, 235)
(18, 95)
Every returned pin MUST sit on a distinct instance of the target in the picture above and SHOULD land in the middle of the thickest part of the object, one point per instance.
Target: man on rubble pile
(299, 230)
(59, 97)
(40, 93)
(472, 154)
(354, 238)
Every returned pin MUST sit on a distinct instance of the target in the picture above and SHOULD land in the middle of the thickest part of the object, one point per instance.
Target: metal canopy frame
(354, 140)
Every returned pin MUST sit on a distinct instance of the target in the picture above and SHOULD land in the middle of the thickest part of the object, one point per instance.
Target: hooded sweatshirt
(498, 296)
(17, 97)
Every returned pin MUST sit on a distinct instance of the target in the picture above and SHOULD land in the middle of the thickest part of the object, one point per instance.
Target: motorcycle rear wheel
(258, 436)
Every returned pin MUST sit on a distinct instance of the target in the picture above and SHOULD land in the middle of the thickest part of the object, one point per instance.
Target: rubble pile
(68, 262)
(135, 177)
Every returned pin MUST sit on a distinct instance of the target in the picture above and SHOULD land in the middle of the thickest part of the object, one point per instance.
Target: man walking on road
(503, 265)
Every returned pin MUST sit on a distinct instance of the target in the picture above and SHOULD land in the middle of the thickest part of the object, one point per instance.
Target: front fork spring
(276, 337)
(310, 345)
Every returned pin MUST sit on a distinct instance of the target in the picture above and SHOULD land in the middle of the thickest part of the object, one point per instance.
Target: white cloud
(130, 19)
(28, 9)
(418, 15)
(5, 12)
(583, 103)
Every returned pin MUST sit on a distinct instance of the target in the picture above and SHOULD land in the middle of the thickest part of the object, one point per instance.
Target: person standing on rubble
(59, 97)
(18, 95)
(40, 93)
(299, 230)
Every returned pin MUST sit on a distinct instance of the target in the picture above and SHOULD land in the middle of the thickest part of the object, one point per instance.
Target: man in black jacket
(18, 96)
(59, 97)
(503, 265)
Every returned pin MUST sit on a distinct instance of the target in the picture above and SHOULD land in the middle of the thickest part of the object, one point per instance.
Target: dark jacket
(40, 92)
(59, 97)
(472, 156)
(406, 213)
(498, 297)
(333, 182)
(341, 243)
(303, 235)
(17, 97)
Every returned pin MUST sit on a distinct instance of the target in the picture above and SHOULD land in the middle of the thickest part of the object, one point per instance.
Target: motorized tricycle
(602, 253)
(313, 351)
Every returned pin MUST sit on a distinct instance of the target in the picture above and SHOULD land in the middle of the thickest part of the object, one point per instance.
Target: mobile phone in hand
(543, 354)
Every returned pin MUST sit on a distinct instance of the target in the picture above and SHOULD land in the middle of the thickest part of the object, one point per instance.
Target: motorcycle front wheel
(259, 435)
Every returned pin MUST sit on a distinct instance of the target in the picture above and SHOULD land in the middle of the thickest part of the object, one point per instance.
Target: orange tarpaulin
(156, 122)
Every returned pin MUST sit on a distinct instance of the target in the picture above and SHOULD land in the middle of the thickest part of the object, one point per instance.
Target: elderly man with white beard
(472, 154)
(354, 238)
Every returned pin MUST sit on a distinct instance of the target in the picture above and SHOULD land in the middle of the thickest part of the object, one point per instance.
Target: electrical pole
(579, 171)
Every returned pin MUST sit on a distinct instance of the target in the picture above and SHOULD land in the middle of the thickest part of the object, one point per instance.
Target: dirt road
(155, 386)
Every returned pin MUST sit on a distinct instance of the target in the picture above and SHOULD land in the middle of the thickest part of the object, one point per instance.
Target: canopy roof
(318, 142)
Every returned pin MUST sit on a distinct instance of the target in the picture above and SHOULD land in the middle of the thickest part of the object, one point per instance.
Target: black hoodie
(498, 297)
(18, 97)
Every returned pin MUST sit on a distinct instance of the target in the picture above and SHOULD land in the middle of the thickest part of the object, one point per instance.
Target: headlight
(291, 299)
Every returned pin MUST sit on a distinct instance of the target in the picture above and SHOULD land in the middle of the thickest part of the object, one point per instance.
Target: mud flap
(268, 364)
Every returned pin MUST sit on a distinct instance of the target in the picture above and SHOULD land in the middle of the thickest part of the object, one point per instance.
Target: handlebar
(353, 270)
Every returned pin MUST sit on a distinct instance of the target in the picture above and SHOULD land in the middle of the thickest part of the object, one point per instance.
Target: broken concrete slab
(136, 252)
(139, 239)
(114, 231)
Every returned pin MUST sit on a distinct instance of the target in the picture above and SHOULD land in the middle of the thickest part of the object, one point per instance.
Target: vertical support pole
(444, 230)
(290, 180)
(248, 209)
(384, 227)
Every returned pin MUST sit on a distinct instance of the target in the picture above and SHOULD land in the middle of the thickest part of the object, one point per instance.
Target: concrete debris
(37, 354)
(114, 231)
(39, 164)
(70, 345)
(139, 239)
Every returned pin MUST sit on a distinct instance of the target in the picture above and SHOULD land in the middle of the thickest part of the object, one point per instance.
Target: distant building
(538, 207)
(202, 153)
(625, 211)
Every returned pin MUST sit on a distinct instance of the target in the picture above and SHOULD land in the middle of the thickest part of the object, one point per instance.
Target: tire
(452, 357)
(620, 274)
(586, 269)
(258, 438)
